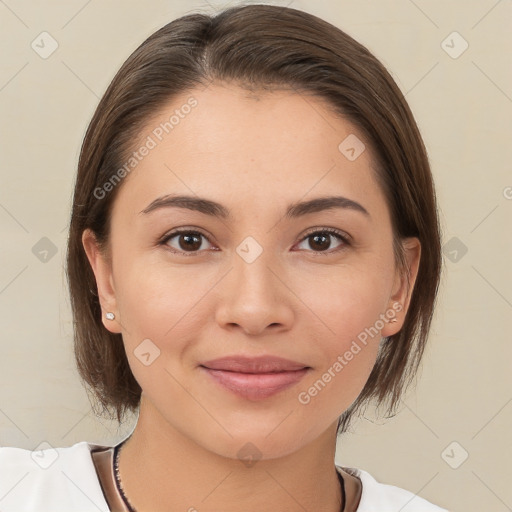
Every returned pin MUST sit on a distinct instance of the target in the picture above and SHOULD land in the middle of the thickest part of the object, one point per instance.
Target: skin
(255, 154)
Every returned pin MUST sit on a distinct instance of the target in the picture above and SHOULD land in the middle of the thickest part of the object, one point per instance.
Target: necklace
(130, 507)
(343, 495)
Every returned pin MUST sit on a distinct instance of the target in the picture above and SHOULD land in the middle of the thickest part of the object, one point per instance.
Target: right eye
(185, 241)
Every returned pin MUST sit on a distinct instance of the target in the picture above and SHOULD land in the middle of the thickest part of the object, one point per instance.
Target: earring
(110, 316)
(396, 305)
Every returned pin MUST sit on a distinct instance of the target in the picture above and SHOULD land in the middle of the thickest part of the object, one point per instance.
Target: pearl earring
(110, 316)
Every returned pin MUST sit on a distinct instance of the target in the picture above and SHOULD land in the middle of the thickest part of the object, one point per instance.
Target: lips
(255, 378)
(262, 364)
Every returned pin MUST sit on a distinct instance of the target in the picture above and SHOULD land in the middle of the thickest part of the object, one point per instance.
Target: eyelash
(331, 231)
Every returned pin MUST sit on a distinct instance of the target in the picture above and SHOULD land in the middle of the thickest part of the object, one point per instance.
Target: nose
(254, 297)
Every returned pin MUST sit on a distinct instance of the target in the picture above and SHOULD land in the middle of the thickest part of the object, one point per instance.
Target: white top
(65, 480)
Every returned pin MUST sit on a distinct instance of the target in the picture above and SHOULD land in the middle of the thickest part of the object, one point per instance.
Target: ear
(102, 268)
(403, 287)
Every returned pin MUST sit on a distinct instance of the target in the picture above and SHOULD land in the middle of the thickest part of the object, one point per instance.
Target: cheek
(159, 311)
(348, 301)
(350, 307)
(155, 301)
(164, 312)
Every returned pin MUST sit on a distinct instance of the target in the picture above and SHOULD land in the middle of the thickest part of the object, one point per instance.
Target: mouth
(255, 378)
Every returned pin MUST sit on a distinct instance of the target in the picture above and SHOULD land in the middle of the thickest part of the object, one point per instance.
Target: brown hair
(265, 47)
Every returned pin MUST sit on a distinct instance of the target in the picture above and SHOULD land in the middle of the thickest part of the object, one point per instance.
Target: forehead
(236, 145)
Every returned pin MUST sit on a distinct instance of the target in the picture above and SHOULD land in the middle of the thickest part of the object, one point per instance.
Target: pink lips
(255, 378)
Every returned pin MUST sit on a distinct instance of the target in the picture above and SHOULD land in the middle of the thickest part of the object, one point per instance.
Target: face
(264, 272)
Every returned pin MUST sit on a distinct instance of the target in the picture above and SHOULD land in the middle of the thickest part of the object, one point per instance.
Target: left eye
(320, 241)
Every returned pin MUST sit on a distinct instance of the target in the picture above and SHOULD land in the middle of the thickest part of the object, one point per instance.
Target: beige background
(463, 106)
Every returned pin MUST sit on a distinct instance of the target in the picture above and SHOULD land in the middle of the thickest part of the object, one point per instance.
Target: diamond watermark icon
(454, 45)
(454, 249)
(351, 147)
(44, 250)
(249, 455)
(249, 250)
(44, 455)
(44, 45)
(454, 455)
(146, 352)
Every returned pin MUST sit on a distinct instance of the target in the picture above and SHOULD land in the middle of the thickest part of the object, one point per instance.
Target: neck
(161, 469)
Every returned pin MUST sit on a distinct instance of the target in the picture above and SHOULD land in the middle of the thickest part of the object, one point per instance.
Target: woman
(254, 255)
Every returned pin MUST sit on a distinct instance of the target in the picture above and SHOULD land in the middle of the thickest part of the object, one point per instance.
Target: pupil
(319, 245)
(191, 242)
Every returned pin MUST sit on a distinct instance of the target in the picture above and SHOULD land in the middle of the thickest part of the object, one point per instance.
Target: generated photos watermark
(151, 142)
(343, 360)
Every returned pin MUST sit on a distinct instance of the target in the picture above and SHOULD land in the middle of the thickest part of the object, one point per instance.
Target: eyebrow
(215, 209)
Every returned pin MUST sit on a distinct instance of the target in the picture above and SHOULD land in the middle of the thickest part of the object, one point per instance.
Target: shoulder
(50, 479)
(388, 498)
